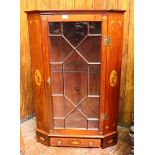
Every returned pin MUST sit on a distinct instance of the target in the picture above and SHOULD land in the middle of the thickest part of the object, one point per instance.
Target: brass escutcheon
(37, 76)
(113, 78)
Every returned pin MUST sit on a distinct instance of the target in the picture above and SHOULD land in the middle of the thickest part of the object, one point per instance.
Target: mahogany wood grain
(75, 142)
(114, 54)
(37, 64)
(77, 132)
(103, 71)
(47, 73)
(49, 108)
(85, 17)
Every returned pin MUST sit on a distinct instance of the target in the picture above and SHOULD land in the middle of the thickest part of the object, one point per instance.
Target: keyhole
(77, 88)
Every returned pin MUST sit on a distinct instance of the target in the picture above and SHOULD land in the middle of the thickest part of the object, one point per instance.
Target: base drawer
(75, 142)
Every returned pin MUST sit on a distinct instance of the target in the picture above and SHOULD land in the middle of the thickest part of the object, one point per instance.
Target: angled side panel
(38, 71)
(113, 70)
(47, 68)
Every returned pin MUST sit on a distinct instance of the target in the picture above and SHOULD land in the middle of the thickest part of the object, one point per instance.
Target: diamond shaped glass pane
(93, 124)
(75, 31)
(75, 78)
(59, 48)
(54, 28)
(94, 27)
(76, 120)
(90, 107)
(59, 123)
(90, 48)
(57, 79)
(94, 80)
(61, 106)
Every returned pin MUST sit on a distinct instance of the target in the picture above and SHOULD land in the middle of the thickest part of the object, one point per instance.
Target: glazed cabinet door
(75, 71)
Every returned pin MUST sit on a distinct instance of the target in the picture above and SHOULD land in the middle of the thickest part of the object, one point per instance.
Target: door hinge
(106, 41)
(103, 116)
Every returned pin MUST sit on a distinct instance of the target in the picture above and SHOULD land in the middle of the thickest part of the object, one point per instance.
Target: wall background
(127, 76)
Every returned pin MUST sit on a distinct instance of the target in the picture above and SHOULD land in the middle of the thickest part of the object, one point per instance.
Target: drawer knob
(59, 142)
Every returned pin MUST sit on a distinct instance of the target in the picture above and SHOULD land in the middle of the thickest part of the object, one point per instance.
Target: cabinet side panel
(37, 71)
(113, 71)
(47, 68)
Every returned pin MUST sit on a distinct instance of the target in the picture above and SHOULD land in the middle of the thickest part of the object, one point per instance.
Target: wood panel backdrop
(127, 76)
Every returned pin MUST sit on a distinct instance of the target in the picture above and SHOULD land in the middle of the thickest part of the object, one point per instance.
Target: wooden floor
(32, 147)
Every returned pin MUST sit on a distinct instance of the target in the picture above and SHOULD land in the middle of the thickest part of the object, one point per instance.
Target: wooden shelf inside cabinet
(76, 68)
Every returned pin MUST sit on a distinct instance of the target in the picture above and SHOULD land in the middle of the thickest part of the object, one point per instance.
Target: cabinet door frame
(45, 19)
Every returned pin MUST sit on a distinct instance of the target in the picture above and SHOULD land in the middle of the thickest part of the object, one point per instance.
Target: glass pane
(59, 48)
(57, 79)
(94, 80)
(92, 124)
(94, 28)
(76, 120)
(75, 74)
(75, 78)
(59, 123)
(54, 28)
(90, 107)
(75, 31)
(90, 48)
(61, 106)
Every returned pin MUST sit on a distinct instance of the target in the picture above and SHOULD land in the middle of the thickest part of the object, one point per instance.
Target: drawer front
(75, 142)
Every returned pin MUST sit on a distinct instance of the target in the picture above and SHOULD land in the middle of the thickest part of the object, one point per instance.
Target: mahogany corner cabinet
(76, 69)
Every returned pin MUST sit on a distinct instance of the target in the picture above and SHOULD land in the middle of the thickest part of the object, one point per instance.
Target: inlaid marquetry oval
(113, 78)
(75, 142)
(37, 77)
(41, 138)
(110, 141)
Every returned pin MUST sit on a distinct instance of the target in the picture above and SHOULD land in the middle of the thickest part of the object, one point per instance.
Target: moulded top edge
(72, 11)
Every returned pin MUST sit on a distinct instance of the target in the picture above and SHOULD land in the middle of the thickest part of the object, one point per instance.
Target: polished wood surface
(113, 63)
(75, 142)
(70, 109)
(126, 91)
(41, 108)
